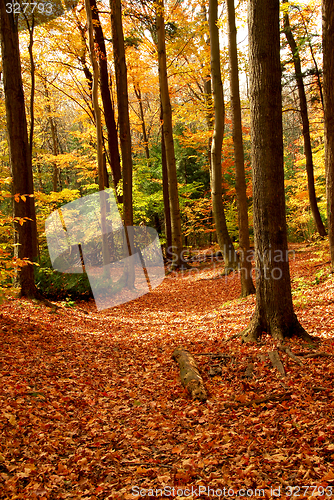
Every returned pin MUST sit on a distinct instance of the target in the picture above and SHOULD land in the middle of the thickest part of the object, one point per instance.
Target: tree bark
(189, 374)
(123, 108)
(124, 125)
(95, 97)
(168, 140)
(274, 312)
(109, 115)
(224, 240)
(305, 124)
(207, 86)
(276, 362)
(53, 127)
(165, 190)
(33, 81)
(328, 69)
(99, 137)
(19, 150)
(137, 90)
(247, 286)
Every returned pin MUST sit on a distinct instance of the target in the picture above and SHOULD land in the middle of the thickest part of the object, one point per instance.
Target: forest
(166, 249)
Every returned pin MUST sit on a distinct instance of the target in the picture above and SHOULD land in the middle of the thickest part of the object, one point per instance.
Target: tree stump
(189, 374)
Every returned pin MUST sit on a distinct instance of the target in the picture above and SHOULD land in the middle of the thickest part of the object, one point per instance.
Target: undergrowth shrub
(59, 286)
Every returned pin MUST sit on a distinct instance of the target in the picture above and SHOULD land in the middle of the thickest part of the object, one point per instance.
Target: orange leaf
(177, 449)
(329, 476)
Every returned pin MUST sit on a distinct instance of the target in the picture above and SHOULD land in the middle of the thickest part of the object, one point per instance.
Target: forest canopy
(58, 81)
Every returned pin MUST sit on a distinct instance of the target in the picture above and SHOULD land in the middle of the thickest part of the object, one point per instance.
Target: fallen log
(189, 374)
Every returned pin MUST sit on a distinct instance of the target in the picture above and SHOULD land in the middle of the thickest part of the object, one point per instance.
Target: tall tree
(99, 138)
(123, 108)
(224, 239)
(168, 138)
(274, 312)
(109, 115)
(19, 149)
(328, 69)
(247, 286)
(165, 190)
(305, 122)
(207, 87)
(95, 97)
(124, 127)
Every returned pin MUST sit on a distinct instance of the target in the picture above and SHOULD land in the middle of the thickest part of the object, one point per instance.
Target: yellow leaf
(141, 470)
(11, 418)
(23, 197)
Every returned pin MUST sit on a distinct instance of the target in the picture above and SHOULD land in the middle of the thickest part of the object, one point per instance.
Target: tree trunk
(54, 150)
(306, 125)
(224, 240)
(123, 108)
(33, 81)
(124, 125)
(99, 138)
(137, 90)
(247, 286)
(168, 140)
(109, 115)
(165, 190)
(328, 68)
(207, 86)
(274, 309)
(19, 150)
(82, 58)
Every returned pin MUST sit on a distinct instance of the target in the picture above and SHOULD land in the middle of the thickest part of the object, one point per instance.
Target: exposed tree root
(291, 355)
(256, 328)
(235, 336)
(315, 354)
(213, 355)
(276, 362)
(39, 298)
(229, 269)
(271, 397)
(253, 332)
(249, 370)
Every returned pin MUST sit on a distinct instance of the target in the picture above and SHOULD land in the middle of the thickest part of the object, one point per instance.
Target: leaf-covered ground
(92, 405)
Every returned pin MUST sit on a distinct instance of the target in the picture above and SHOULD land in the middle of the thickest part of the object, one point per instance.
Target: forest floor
(91, 404)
